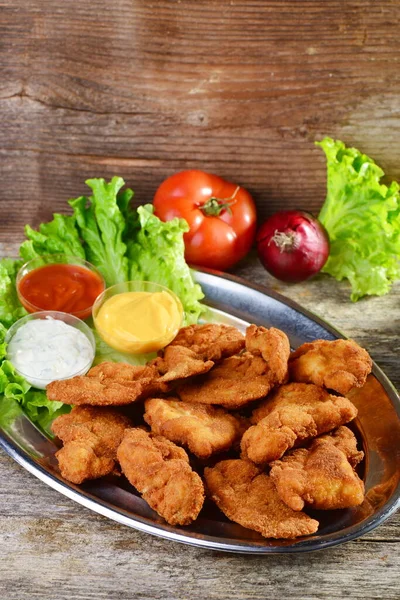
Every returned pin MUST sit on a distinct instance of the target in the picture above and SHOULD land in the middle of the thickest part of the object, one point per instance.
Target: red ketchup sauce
(67, 288)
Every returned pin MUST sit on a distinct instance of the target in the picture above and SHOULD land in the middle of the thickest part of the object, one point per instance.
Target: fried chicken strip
(248, 497)
(321, 476)
(205, 430)
(210, 341)
(233, 383)
(273, 345)
(338, 365)
(179, 362)
(91, 436)
(161, 473)
(297, 412)
(239, 379)
(108, 384)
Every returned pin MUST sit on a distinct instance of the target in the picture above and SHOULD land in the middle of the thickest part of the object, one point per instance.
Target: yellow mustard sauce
(139, 322)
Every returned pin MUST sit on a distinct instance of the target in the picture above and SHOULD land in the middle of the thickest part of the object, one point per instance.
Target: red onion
(292, 245)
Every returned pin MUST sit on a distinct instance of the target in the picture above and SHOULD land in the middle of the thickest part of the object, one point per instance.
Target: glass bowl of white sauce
(49, 345)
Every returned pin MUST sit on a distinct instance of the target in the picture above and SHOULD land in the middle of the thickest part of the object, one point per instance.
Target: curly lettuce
(3, 345)
(101, 225)
(17, 395)
(10, 307)
(59, 236)
(156, 254)
(362, 217)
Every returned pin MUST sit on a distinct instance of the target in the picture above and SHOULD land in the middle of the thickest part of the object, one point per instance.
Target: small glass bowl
(66, 318)
(140, 346)
(53, 259)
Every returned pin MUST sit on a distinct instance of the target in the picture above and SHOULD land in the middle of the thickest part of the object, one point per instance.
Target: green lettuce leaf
(104, 352)
(102, 225)
(14, 385)
(42, 411)
(362, 217)
(10, 410)
(10, 307)
(157, 253)
(15, 390)
(3, 345)
(59, 236)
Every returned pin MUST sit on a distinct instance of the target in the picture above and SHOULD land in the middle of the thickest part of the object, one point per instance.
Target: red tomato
(221, 217)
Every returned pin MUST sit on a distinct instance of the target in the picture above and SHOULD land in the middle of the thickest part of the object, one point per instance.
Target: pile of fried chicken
(264, 427)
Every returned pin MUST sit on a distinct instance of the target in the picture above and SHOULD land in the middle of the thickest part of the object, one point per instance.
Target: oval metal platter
(236, 302)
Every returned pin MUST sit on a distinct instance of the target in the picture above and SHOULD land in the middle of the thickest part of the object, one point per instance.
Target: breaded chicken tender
(205, 430)
(344, 439)
(234, 382)
(210, 341)
(239, 379)
(338, 365)
(108, 384)
(147, 376)
(321, 476)
(273, 345)
(179, 362)
(126, 371)
(295, 413)
(161, 473)
(91, 436)
(248, 497)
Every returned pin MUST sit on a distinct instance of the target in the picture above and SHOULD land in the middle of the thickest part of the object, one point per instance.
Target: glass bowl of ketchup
(59, 282)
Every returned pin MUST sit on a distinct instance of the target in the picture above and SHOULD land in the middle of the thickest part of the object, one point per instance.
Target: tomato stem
(285, 241)
(215, 206)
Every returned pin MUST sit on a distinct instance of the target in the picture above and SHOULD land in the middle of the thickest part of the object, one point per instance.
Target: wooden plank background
(143, 89)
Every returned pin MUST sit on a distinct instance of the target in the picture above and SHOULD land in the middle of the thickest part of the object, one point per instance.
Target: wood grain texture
(145, 89)
(54, 549)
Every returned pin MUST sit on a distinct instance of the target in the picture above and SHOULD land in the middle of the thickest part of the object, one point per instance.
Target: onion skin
(292, 245)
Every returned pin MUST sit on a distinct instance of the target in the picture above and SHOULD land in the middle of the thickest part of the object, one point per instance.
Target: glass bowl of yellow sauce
(137, 317)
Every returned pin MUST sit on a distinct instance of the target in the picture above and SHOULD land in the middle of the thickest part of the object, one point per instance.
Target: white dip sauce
(44, 350)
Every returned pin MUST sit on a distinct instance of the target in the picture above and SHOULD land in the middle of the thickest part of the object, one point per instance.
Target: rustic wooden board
(145, 89)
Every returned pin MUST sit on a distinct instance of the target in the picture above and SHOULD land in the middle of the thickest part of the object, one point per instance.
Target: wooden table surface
(54, 549)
